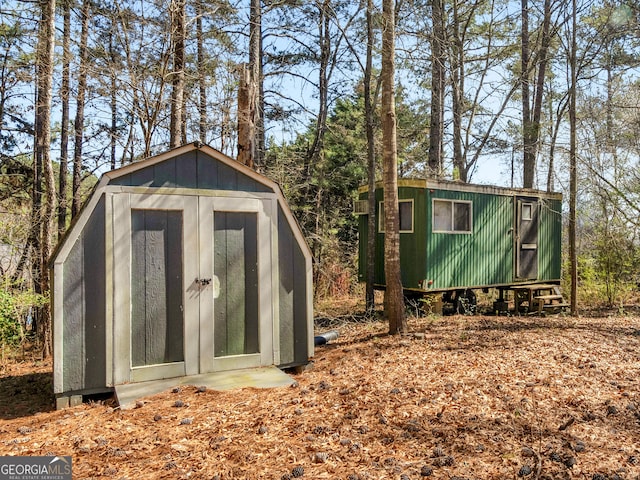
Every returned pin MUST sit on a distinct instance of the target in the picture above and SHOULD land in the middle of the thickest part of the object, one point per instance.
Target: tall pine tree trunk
(64, 121)
(324, 36)
(202, 83)
(177, 10)
(436, 132)
(45, 212)
(457, 88)
(531, 115)
(250, 136)
(573, 169)
(80, 102)
(529, 155)
(371, 164)
(246, 117)
(114, 98)
(394, 299)
(255, 63)
(315, 153)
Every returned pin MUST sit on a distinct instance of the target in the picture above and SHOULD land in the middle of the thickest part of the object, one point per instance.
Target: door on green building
(527, 212)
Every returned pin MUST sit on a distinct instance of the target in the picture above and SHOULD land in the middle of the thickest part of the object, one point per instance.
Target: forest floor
(464, 397)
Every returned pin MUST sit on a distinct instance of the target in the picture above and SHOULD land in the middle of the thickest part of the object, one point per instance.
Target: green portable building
(456, 236)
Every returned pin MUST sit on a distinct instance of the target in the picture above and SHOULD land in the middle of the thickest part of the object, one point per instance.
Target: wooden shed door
(155, 314)
(526, 238)
(157, 318)
(192, 285)
(235, 288)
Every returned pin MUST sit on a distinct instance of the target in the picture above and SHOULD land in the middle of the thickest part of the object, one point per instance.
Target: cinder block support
(68, 401)
(62, 403)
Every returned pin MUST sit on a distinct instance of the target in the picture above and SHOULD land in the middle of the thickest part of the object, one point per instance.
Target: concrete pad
(264, 377)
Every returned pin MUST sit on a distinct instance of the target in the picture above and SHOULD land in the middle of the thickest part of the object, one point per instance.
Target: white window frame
(452, 222)
(381, 215)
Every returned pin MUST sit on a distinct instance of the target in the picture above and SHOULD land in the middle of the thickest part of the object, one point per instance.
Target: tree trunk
(246, 117)
(324, 35)
(202, 84)
(611, 146)
(80, 101)
(255, 64)
(528, 160)
(45, 54)
(177, 10)
(226, 129)
(64, 120)
(573, 176)
(250, 136)
(436, 132)
(114, 99)
(559, 116)
(531, 116)
(457, 88)
(394, 300)
(315, 152)
(539, 86)
(457, 94)
(371, 164)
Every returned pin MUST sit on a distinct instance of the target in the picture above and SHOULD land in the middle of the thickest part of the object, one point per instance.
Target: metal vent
(361, 207)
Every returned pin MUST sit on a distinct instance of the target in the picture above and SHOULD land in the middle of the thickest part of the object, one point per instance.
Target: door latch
(203, 281)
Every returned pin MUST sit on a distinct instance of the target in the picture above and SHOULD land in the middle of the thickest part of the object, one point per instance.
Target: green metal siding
(413, 255)
(550, 240)
(412, 251)
(483, 257)
(363, 236)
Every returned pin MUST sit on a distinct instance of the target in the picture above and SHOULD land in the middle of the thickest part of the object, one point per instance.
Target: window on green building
(451, 216)
(406, 216)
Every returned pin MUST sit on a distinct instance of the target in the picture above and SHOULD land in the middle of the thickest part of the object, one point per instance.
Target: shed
(456, 236)
(187, 263)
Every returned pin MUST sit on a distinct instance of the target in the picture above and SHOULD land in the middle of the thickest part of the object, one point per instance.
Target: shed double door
(192, 285)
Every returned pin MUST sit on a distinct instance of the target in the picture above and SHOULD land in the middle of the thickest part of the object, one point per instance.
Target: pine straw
(473, 398)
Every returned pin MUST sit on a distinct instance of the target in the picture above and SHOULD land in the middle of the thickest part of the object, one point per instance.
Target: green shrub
(10, 329)
(14, 307)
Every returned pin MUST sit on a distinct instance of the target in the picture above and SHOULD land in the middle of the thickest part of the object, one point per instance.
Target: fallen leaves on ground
(462, 397)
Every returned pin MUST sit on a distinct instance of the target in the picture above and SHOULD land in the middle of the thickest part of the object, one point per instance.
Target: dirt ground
(462, 398)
